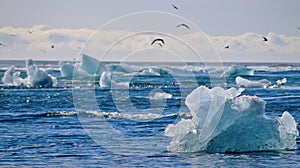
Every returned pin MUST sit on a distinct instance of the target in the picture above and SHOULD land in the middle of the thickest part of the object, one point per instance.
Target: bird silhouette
(184, 25)
(158, 40)
(2, 45)
(265, 38)
(175, 7)
(52, 46)
(227, 47)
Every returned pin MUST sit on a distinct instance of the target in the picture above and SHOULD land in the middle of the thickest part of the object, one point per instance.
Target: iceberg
(263, 83)
(242, 82)
(37, 77)
(66, 69)
(91, 65)
(105, 79)
(160, 96)
(7, 79)
(223, 121)
(237, 70)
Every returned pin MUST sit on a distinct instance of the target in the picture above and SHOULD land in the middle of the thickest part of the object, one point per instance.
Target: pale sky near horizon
(240, 24)
(230, 17)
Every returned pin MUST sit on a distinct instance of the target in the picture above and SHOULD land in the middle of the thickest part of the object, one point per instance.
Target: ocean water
(80, 124)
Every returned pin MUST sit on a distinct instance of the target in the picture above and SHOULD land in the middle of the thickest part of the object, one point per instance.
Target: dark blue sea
(79, 124)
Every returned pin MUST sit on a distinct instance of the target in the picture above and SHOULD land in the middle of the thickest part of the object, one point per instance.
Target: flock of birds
(159, 41)
(52, 46)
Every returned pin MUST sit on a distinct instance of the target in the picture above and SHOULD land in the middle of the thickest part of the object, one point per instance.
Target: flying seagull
(158, 40)
(265, 38)
(184, 25)
(227, 47)
(2, 45)
(175, 7)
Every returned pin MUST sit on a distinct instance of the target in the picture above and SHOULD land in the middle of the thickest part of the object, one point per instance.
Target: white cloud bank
(36, 43)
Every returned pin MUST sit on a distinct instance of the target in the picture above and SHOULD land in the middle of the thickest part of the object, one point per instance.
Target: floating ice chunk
(37, 77)
(91, 65)
(66, 69)
(160, 95)
(105, 79)
(149, 72)
(237, 70)
(263, 83)
(223, 121)
(242, 82)
(7, 79)
(281, 82)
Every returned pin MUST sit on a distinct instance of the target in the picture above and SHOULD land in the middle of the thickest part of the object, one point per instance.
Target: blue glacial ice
(66, 69)
(223, 121)
(237, 70)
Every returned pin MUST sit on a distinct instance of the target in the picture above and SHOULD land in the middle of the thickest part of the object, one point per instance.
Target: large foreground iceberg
(224, 121)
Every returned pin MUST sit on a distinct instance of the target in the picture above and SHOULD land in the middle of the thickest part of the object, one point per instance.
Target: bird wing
(184, 25)
(158, 39)
(175, 7)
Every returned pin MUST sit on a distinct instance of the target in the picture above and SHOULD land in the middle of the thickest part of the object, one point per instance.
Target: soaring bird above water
(175, 7)
(158, 40)
(184, 25)
(265, 38)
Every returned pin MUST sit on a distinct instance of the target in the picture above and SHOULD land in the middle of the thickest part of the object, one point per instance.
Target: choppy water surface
(42, 127)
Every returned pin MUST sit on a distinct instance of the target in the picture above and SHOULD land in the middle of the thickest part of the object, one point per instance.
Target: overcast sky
(240, 24)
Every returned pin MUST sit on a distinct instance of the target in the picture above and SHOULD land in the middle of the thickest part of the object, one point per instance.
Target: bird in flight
(184, 25)
(2, 45)
(265, 38)
(175, 7)
(160, 41)
(227, 47)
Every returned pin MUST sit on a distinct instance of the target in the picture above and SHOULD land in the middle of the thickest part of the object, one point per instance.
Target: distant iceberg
(263, 83)
(7, 79)
(223, 121)
(105, 79)
(37, 77)
(66, 69)
(237, 70)
(91, 65)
